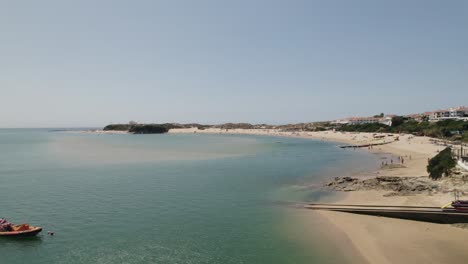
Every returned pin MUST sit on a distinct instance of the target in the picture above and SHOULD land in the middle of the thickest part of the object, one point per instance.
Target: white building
(387, 120)
(455, 113)
(459, 112)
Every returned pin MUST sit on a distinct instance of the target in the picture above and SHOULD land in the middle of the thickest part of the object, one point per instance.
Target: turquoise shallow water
(163, 198)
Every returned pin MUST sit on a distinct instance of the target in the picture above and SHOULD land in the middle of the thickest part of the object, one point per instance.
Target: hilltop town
(454, 113)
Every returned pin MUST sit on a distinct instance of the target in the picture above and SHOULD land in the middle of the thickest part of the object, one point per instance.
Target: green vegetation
(373, 127)
(447, 129)
(149, 129)
(117, 127)
(465, 137)
(398, 121)
(141, 129)
(236, 126)
(136, 128)
(442, 164)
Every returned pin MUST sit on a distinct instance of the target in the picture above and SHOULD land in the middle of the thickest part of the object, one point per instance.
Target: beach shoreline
(107, 132)
(378, 239)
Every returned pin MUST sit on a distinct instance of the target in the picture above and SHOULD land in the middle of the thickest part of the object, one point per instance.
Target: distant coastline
(452, 129)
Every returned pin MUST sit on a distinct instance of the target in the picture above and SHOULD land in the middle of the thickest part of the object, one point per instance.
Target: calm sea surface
(165, 198)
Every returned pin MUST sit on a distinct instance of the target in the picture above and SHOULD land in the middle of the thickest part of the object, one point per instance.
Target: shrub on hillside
(465, 137)
(373, 127)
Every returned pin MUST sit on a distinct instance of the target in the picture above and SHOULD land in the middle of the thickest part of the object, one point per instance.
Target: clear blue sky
(89, 63)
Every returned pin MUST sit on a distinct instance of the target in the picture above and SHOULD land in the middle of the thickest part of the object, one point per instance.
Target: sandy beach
(378, 239)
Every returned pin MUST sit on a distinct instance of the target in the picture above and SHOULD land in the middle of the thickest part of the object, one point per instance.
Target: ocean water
(166, 198)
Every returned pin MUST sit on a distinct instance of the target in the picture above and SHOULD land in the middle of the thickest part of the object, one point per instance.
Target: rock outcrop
(400, 185)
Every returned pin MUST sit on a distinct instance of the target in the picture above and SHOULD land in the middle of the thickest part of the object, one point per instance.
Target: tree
(442, 164)
(398, 120)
